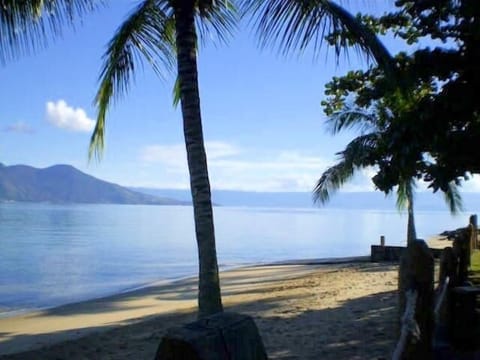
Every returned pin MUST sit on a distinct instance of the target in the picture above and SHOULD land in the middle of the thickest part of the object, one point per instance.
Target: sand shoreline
(130, 325)
(172, 281)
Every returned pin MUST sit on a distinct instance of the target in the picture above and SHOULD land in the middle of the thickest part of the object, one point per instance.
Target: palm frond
(359, 151)
(354, 156)
(351, 118)
(26, 25)
(217, 19)
(177, 95)
(297, 24)
(404, 193)
(147, 34)
(453, 198)
(331, 180)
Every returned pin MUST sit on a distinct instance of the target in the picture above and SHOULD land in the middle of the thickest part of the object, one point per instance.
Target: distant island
(66, 184)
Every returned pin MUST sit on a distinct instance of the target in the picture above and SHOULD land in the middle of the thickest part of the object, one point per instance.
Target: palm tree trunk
(209, 297)
(411, 230)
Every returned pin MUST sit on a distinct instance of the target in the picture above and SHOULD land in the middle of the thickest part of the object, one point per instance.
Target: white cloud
(176, 155)
(234, 168)
(60, 115)
(169, 155)
(19, 127)
(471, 185)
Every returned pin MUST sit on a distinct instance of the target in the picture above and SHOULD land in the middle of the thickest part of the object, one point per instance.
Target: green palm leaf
(355, 155)
(351, 118)
(358, 152)
(147, 34)
(331, 180)
(453, 198)
(297, 24)
(218, 19)
(405, 193)
(26, 25)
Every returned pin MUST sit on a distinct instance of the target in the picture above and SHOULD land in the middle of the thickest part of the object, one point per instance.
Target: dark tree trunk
(209, 297)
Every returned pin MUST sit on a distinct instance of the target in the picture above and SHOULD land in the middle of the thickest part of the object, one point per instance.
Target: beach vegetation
(435, 129)
(475, 262)
(350, 105)
(422, 124)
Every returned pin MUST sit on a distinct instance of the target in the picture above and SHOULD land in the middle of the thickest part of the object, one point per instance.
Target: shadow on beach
(290, 326)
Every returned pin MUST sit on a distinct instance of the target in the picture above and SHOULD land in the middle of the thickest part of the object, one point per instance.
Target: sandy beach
(334, 311)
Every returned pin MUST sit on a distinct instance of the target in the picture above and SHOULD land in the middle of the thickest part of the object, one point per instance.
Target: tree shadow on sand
(360, 328)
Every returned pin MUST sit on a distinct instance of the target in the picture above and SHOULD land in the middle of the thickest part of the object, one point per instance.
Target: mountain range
(66, 184)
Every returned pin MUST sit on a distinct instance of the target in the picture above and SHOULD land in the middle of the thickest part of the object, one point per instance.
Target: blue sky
(263, 123)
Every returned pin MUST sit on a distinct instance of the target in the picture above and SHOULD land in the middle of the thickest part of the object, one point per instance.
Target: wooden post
(382, 240)
(461, 250)
(474, 232)
(418, 266)
(403, 278)
(448, 268)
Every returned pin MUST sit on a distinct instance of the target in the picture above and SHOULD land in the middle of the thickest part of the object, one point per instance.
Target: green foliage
(26, 25)
(296, 25)
(433, 130)
(475, 262)
(474, 274)
(148, 35)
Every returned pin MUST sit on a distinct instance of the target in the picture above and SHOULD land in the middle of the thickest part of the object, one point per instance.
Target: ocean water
(57, 254)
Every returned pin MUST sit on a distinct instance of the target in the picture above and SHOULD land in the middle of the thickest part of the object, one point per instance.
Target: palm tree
(367, 150)
(164, 33)
(294, 25)
(26, 25)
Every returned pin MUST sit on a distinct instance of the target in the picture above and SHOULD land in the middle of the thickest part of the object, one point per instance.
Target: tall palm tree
(367, 150)
(164, 33)
(27, 25)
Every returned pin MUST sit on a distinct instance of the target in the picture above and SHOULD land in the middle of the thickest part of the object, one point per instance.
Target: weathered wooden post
(403, 285)
(473, 226)
(221, 336)
(418, 266)
(461, 249)
(448, 266)
(448, 269)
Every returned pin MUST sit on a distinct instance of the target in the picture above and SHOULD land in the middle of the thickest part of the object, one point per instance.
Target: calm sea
(57, 254)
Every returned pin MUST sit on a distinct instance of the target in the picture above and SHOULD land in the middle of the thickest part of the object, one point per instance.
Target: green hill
(66, 184)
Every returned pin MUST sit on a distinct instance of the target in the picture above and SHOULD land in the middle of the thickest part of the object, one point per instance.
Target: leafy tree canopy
(431, 124)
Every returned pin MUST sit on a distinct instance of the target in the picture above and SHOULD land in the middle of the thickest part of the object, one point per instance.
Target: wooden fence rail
(423, 311)
(416, 303)
(441, 298)
(409, 325)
